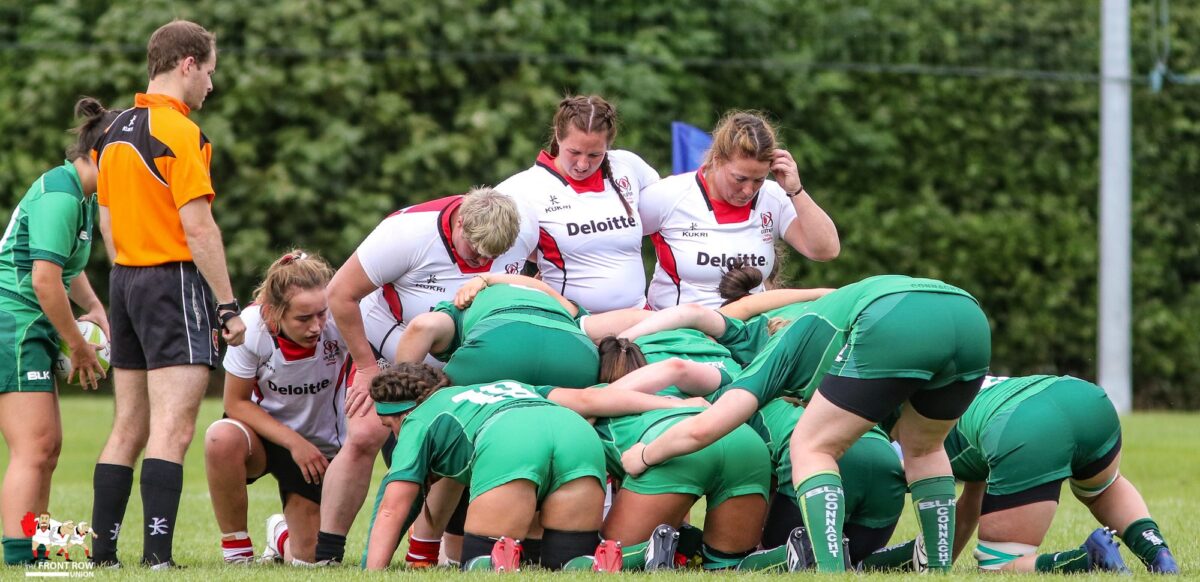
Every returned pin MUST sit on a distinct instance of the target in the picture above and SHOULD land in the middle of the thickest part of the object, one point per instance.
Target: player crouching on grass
(284, 411)
(518, 449)
(1012, 487)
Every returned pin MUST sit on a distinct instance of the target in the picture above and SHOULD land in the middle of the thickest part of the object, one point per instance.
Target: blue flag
(688, 144)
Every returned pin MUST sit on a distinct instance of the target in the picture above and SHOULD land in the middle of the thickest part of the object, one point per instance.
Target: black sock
(475, 546)
(111, 485)
(559, 547)
(531, 551)
(162, 483)
(330, 546)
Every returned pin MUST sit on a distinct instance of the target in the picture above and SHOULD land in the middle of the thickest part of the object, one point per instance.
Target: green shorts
(28, 349)
(529, 349)
(548, 445)
(737, 464)
(873, 481)
(1049, 436)
(937, 337)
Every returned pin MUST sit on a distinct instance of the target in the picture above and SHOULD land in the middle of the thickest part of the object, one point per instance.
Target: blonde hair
(295, 271)
(742, 134)
(490, 221)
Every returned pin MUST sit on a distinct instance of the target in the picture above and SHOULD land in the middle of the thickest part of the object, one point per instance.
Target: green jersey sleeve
(791, 363)
(53, 219)
(414, 449)
(458, 316)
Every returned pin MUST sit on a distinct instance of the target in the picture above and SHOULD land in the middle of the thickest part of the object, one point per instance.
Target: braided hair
(408, 381)
(589, 114)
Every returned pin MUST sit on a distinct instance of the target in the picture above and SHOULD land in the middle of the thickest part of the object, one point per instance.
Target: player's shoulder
(257, 338)
(530, 183)
(173, 127)
(677, 185)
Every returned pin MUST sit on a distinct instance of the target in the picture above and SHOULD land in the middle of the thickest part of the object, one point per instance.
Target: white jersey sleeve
(411, 259)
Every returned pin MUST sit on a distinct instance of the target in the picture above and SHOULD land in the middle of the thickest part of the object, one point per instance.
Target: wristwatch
(228, 311)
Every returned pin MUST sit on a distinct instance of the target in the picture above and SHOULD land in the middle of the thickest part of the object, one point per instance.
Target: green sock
(581, 564)
(1064, 562)
(481, 563)
(18, 551)
(772, 559)
(714, 559)
(1144, 539)
(897, 557)
(634, 557)
(933, 498)
(823, 505)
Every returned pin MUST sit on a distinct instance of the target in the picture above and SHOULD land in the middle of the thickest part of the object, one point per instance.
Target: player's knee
(224, 441)
(364, 444)
(995, 556)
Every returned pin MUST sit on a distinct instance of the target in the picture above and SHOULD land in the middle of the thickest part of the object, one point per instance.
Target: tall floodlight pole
(1115, 371)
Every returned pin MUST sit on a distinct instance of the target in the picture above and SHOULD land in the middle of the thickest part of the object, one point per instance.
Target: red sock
(283, 537)
(422, 553)
(237, 548)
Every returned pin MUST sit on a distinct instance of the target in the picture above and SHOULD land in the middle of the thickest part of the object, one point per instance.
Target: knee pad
(1089, 492)
(475, 546)
(995, 555)
(559, 547)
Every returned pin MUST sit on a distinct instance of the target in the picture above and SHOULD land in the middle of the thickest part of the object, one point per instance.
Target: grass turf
(1159, 457)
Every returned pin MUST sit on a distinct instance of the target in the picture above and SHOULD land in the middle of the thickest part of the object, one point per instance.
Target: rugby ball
(93, 335)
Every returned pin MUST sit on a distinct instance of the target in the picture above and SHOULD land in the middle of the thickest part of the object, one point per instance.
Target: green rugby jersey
(512, 303)
(53, 222)
(620, 433)
(964, 444)
(439, 435)
(793, 361)
(688, 344)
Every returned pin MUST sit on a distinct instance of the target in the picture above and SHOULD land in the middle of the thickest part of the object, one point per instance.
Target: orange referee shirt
(152, 161)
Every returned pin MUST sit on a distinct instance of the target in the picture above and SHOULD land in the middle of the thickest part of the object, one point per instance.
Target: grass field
(1160, 457)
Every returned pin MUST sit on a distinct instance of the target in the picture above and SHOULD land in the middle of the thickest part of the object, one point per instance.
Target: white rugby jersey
(696, 237)
(411, 260)
(589, 248)
(303, 388)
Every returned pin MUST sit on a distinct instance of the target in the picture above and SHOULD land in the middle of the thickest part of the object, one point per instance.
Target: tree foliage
(956, 140)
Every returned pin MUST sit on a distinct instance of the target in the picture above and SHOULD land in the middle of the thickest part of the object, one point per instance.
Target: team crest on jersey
(513, 268)
(768, 224)
(694, 231)
(430, 283)
(332, 352)
(555, 206)
(623, 187)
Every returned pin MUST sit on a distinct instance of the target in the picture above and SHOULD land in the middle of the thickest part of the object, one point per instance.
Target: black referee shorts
(162, 316)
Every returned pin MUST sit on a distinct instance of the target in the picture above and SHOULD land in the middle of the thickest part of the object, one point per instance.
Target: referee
(169, 288)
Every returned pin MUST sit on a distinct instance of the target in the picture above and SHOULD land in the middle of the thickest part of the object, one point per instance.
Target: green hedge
(328, 115)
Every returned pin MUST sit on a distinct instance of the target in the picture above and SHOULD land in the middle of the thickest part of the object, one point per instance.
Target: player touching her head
(702, 222)
(515, 446)
(284, 411)
(586, 196)
(42, 255)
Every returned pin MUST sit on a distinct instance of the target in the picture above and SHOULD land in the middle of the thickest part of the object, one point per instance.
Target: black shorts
(287, 473)
(162, 316)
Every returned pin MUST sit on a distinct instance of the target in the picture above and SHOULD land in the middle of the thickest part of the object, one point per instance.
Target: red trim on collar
(445, 229)
(593, 183)
(293, 351)
(724, 212)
